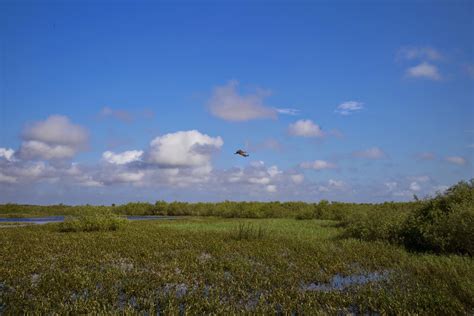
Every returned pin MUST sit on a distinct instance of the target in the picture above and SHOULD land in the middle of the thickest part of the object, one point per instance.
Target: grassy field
(216, 265)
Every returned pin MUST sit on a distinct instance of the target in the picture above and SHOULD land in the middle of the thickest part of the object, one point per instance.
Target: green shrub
(93, 221)
(443, 224)
(375, 225)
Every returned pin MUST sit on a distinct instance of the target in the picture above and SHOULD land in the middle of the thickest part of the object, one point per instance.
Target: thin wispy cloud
(318, 165)
(457, 160)
(422, 53)
(371, 153)
(349, 107)
(288, 111)
(425, 156)
(424, 71)
(120, 115)
(469, 70)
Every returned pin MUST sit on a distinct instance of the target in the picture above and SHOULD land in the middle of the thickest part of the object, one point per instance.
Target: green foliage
(444, 223)
(93, 221)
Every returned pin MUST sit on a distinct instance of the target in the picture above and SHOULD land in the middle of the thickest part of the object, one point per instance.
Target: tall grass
(246, 231)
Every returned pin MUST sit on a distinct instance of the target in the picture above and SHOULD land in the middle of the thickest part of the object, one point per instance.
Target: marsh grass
(192, 266)
(93, 221)
(247, 231)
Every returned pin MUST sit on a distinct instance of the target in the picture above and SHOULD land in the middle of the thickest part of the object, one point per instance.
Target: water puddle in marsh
(23, 221)
(340, 282)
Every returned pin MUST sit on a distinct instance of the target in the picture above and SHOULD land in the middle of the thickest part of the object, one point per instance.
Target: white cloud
(349, 107)
(54, 138)
(456, 160)
(126, 177)
(414, 186)
(412, 52)
(371, 153)
(318, 165)
(122, 158)
(56, 129)
(7, 153)
(305, 128)
(424, 70)
(227, 104)
(392, 185)
(183, 149)
(297, 178)
(255, 180)
(338, 184)
(273, 171)
(271, 188)
(35, 149)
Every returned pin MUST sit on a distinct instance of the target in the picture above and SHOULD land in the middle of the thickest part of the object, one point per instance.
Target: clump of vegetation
(93, 221)
(246, 231)
(443, 224)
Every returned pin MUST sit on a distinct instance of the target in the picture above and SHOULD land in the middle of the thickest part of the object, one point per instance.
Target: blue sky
(113, 102)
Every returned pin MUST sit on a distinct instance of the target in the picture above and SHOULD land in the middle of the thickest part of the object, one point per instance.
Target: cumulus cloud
(349, 107)
(226, 103)
(305, 128)
(183, 149)
(54, 138)
(424, 70)
(413, 52)
(318, 165)
(7, 153)
(371, 153)
(456, 160)
(122, 158)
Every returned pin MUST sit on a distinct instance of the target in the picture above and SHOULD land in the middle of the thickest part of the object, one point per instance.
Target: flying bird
(242, 153)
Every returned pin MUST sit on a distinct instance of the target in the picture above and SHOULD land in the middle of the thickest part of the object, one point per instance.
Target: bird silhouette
(242, 153)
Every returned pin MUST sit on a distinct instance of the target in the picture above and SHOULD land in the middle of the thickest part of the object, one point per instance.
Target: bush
(93, 221)
(375, 225)
(443, 224)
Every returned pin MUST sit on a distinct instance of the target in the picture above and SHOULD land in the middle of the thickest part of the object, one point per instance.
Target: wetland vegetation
(234, 257)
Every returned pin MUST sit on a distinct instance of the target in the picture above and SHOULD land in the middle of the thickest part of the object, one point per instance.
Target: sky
(111, 102)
